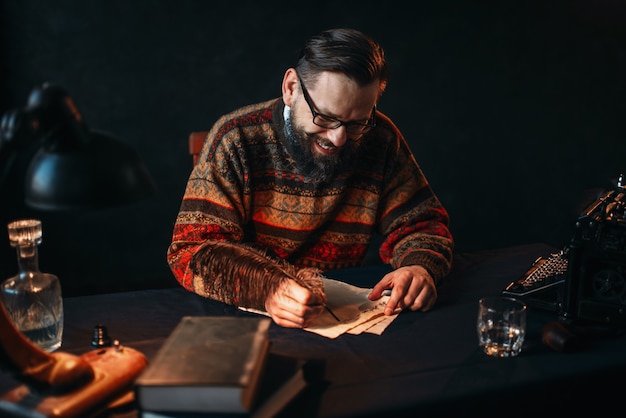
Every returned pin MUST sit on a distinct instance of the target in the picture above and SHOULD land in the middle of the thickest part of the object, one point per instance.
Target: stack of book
(218, 366)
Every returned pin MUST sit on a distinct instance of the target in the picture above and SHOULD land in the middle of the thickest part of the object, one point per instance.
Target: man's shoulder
(251, 114)
(386, 126)
(256, 121)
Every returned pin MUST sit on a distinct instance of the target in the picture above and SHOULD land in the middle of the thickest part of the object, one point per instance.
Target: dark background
(513, 108)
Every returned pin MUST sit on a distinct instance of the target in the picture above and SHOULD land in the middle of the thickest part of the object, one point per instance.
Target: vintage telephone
(586, 281)
(61, 384)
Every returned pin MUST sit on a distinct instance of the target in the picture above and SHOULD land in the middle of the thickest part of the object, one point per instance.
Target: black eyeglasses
(328, 122)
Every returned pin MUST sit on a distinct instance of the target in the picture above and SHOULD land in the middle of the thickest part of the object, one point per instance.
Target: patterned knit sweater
(246, 188)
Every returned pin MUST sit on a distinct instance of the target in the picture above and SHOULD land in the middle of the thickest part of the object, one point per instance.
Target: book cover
(284, 379)
(268, 408)
(209, 364)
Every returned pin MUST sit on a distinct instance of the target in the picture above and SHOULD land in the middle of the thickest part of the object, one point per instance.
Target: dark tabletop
(424, 364)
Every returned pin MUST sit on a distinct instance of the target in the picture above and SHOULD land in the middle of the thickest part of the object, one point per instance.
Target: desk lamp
(68, 167)
(73, 167)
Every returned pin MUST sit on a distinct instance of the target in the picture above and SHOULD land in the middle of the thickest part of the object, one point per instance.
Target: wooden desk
(424, 364)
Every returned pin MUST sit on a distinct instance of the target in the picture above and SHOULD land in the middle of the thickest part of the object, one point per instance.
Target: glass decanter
(33, 299)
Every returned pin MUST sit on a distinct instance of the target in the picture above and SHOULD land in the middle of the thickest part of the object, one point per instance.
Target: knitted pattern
(246, 188)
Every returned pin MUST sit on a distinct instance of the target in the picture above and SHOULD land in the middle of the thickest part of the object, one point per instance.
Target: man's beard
(316, 167)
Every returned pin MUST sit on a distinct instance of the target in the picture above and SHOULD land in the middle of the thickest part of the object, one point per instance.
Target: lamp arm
(20, 131)
(7, 146)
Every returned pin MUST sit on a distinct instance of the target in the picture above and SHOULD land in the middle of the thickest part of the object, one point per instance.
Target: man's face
(315, 165)
(320, 152)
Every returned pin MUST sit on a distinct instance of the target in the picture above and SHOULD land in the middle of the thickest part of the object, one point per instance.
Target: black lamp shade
(96, 173)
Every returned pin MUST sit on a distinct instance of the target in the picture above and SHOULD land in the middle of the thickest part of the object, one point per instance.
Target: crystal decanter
(33, 299)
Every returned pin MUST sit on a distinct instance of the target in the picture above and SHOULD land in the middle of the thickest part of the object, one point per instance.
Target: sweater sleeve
(413, 221)
(240, 275)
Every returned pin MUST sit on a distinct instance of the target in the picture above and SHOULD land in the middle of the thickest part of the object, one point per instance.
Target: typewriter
(586, 280)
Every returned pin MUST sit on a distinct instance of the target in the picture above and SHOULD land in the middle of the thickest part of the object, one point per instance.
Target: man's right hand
(294, 306)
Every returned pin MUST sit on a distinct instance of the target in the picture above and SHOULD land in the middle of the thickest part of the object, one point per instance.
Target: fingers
(294, 315)
(293, 306)
(379, 288)
(411, 287)
(424, 300)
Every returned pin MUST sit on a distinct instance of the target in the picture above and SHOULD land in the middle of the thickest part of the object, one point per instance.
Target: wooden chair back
(196, 141)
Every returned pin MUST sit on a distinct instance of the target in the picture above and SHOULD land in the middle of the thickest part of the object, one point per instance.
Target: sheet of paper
(376, 326)
(355, 311)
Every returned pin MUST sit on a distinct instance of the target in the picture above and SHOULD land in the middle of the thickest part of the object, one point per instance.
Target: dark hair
(347, 51)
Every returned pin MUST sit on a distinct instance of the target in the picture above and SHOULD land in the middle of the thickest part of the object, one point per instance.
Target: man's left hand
(412, 287)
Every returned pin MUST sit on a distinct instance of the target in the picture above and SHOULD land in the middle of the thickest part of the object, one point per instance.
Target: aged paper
(355, 311)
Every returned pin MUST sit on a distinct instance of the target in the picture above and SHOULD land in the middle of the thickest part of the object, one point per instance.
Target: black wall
(512, 108)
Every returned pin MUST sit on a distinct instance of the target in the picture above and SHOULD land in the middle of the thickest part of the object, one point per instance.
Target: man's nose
(338, 136)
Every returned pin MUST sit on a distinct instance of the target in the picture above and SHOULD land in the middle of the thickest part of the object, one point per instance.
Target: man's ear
(290, 86)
